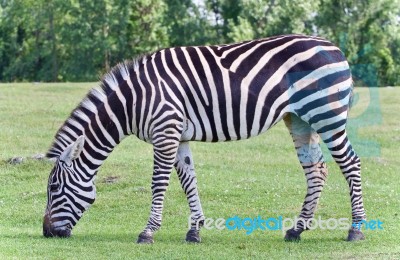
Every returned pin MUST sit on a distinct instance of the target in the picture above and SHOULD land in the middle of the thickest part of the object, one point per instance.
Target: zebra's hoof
(193, 236)
(355, 235)
(145, 238)
(292, 235)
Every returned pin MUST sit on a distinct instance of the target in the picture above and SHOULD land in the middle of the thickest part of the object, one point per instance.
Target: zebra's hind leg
(165, 148)
(306, 142)
(350, 165)
(185, 168)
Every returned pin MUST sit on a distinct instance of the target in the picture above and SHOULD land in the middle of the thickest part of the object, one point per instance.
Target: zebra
(211, 94)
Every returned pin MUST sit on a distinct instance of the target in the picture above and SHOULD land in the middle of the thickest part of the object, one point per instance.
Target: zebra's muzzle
(49, 231)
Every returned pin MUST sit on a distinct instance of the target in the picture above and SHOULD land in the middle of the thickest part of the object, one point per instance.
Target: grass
(260, 176)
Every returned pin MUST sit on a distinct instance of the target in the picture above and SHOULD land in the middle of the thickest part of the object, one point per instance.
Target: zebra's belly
(198, 131)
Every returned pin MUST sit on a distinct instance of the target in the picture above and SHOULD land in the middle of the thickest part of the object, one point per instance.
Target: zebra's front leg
(185, 168)
(309, 153)
(164, 158)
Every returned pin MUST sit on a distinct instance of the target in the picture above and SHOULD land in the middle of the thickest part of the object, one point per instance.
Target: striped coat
(212, 94)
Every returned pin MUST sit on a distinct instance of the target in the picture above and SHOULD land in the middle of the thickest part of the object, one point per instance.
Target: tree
(26, 50)
(263, 18)
(50, 40)
(79, 40)
(188, 24)
(368, 34)
(99, 34)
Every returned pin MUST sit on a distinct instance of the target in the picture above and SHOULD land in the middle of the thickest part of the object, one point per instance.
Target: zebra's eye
(54, 187)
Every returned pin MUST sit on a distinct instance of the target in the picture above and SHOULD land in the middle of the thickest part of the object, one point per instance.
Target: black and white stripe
(211, 94)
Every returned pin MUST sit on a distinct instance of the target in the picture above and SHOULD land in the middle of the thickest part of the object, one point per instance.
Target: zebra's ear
(72, 151)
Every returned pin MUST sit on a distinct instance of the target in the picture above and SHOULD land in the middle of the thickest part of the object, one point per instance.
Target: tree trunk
(54, 72)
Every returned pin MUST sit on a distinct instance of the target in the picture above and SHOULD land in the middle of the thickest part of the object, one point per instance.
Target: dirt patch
(16, 160)
(110, 179)
(140, 189)
(39, 156)
(19, 159)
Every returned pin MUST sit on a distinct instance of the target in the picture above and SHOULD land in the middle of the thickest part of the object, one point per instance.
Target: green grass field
(260, 176)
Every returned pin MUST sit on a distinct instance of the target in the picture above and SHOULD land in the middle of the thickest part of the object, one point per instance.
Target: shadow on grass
(178, 237)
(103, 237)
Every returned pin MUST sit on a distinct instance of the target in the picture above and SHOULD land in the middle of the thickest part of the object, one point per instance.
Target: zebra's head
(69, 192)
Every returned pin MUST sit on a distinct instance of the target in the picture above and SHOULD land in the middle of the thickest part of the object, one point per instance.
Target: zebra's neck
(105, 117)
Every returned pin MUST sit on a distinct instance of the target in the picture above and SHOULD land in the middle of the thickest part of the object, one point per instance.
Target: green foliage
(368, 32)
(265, 18)
(78, 40)
(26, 49)
(186, 24)
(71, 40)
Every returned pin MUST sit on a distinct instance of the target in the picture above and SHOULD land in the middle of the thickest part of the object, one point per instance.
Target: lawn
(260, 176)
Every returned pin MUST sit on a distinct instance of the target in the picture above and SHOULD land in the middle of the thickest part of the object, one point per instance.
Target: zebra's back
(236, 91)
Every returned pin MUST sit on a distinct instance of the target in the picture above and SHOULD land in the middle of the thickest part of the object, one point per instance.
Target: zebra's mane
(75, 124)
